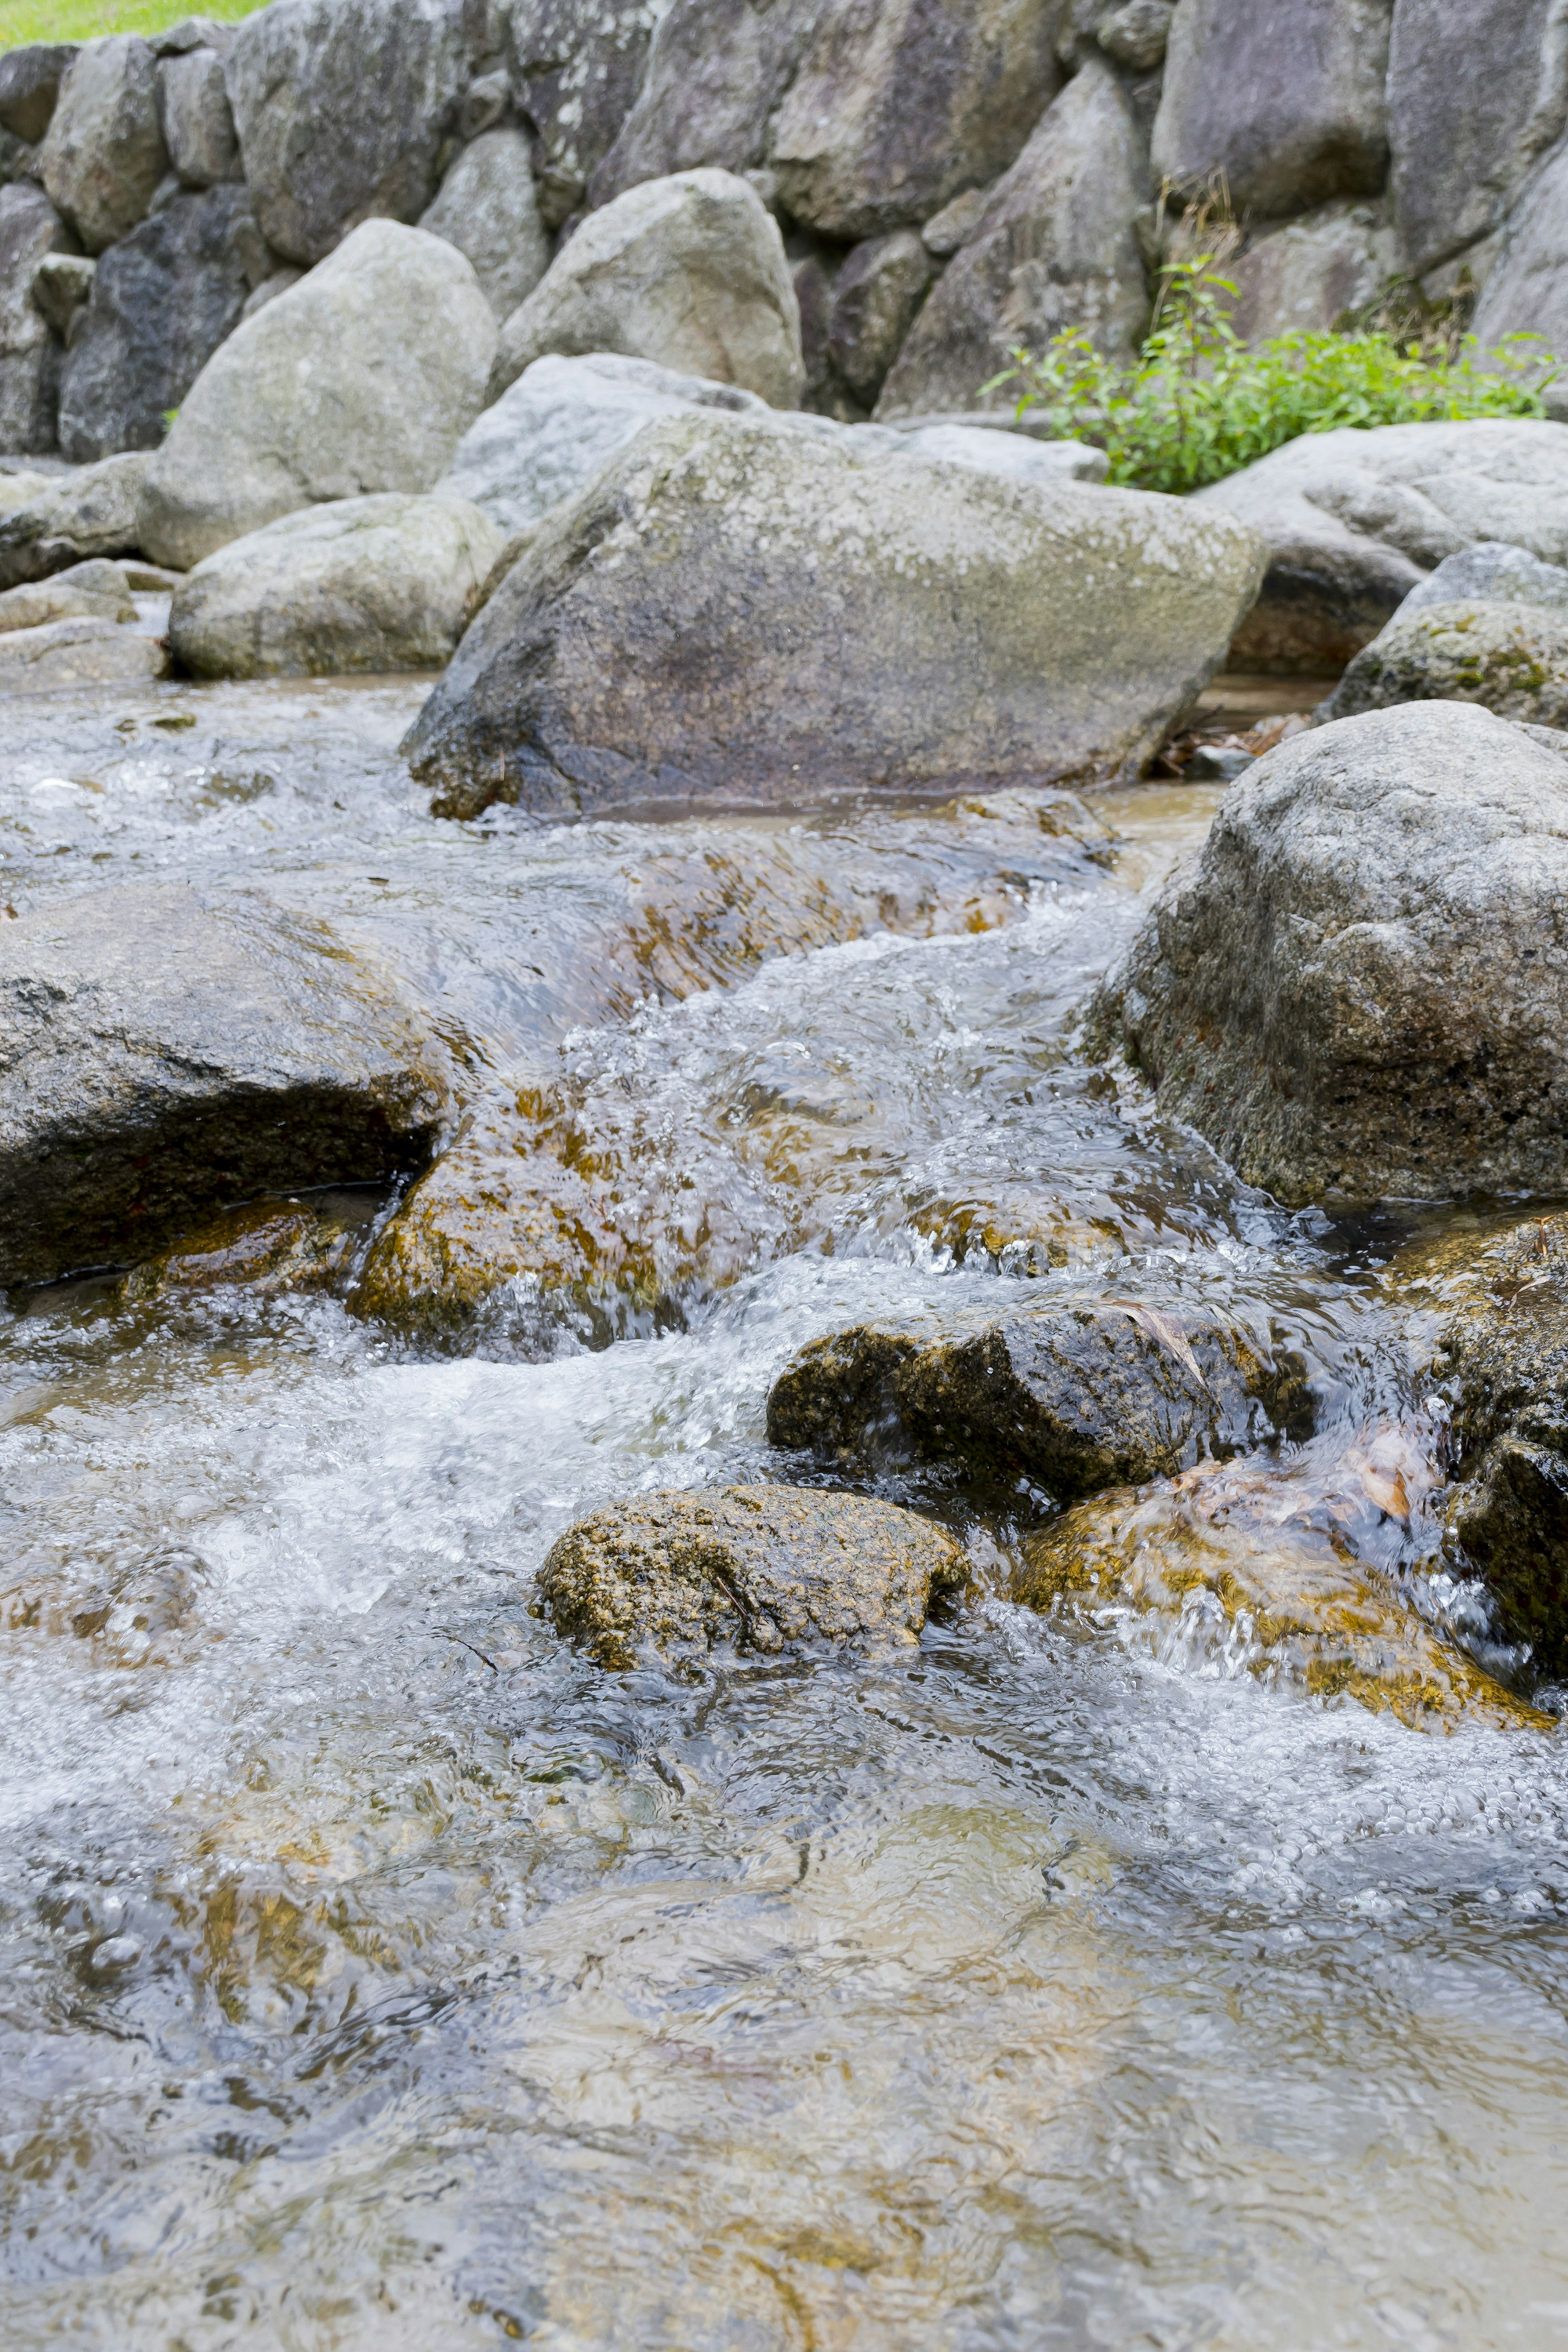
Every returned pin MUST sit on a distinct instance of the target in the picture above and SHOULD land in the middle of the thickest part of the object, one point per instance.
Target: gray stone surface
(363, 585)
(716, 72)
(29, 86)
(95, 591)
(1137, 35)
(163, 300)
(1307, 276)
(1510, 657)
(1497, 571)
(1477, 93)
(196, 118)
(875, 298)
(62, 285)
(1053, 248)
(104, 155)
(487, 208)
(78, 652)
(362, 377)
(92, 510)
(1013, 454)
(1287, 102)
(689, 271)
(767, 1568)
(163, 1050)
(1526, 287)
(1359, 989)
(30, 229)
(341, 106)
(785, 627)
(576, 67)
(900, 103)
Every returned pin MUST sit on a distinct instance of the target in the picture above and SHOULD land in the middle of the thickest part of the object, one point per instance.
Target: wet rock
(30, 85)
(196, 118)
(898, 104)
(1359, 991)
(716, 72)
(62, 285)
(341, 106)
(91, 511)
(1053, 248)
(364, 377)
(163, 1050)
(368, 584)
(30, 231)
(767, 1568)
(76, 653)
(98, 590)
(1493, 572)
(576, 67)
(163, 300)
(1506, 656)
(1073, 1396)
(1306, 278)
(875, 298)
(1354, 519)
(488, 209)
(1474, 98)
(750, 551)
(271, 1248)
(689, 271)
(104, 155)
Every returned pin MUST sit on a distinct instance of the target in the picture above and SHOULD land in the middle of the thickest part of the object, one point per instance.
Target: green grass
(82, 20)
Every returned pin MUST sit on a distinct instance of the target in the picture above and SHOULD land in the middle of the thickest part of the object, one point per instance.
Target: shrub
(1199, 402)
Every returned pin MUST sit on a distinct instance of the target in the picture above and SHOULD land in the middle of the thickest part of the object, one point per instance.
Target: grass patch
(83, 20)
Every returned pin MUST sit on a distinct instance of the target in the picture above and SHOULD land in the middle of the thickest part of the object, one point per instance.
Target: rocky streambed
(1128, 1906)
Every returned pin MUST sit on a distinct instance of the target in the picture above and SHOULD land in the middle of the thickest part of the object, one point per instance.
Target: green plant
(1199, 402)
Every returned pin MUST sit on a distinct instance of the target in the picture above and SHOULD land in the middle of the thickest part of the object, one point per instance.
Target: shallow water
(379, 1974)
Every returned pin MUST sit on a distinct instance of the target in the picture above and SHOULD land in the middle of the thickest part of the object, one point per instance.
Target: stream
(379, 1973)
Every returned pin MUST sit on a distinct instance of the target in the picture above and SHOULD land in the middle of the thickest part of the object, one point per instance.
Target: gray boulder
(785, 625)
(875, 298)
(362, 377)
(163, 300)
(575, 67)
(689, 271)
(1476, 97)
(1055, 247)
(1493, 571)
(80, 652)
(1138, 35)
(377, 583)
(341, 106)
(95, 591)
(1526, 287)
(900, 103)
(1307, 276)
(992, 452)
(488, 209)
(1355, 518)
(716, 72)
(30, 85)
(196, 118)
(104, 155)
(62, 286)
(164, 1052)
(1508, 657)
(767, 1568)
(1287, 102)
(1359, 991)
(30, 230)
(90, 511)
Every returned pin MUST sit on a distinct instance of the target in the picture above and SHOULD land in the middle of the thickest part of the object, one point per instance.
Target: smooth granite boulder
(1495, 572)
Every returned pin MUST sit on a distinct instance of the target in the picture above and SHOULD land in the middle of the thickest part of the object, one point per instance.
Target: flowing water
(378, 1973)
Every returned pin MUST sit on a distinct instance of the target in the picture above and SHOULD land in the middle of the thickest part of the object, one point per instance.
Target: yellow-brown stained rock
(268, 1246)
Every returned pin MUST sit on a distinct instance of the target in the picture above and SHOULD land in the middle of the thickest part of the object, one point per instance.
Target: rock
(376, 584)
(30, 231)
(875, 298)
(1053, 248)
(92, 512)
(1358, 992)
(1136, 36)
(576, 67)
(1306, 277)
(709, 554)
(900, 103)
(364, 377)
(104, 155)
(274, 1248)
(1494, 571)
(716, 72)
(1288, 103)
(547, 436)
(991, 452)
(764, 1567)
(1355, 519)
(29, 86)
(1526, 287)
(1073, 1396)
(341, 106)
(78, 653)
(946, 231)
(489, 210)
(62, 285)
(196, 118)
(1476, 97)
(689, 271)
(163, 301)
(269, 290)
(1506, 657)
(98, 590)
(165, 1051)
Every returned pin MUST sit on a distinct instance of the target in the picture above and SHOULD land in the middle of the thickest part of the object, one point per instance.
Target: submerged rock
(764, 1567)
(163, 1050)
(788, 627)
(1359, 991)
(271, 1247)
(1510, 657)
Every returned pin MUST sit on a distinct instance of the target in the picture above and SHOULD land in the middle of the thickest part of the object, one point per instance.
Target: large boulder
(1355, 519)
(488, 209)
(1055, 247)
(198, 119)
(30, 229)
(1286, 102)
(786, 623)
(1504, 656)
(1306, 277)
(716, 72)
(378, 584)
(1476, 97)
(575, 68)
(898, 104)
(91, 511)
(364, 376)
(1495, 572)
(1526, 287)
(764, 1567)
(163, 300)
(104, 155)
(164, 1052)
(30, 81)
(875, 298)
(689, 271)
(341, 106)
(1360, 990)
